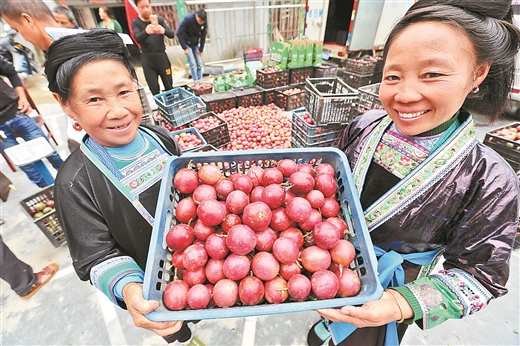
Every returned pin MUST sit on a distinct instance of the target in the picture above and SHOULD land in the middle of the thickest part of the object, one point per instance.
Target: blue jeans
(23, 126)
(195, 61)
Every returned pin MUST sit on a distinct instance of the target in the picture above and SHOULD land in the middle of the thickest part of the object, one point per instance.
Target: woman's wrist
(404, 309)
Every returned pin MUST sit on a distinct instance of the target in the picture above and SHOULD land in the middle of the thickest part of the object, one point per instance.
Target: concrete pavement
(68, 311)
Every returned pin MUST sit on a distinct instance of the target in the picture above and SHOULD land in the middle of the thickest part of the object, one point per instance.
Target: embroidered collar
(430, 171)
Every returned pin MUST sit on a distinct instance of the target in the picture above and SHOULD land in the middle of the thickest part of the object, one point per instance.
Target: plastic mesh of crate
(269, 80)
(178, 106)
(269, 96)
(48, 223)
(323, 140)
(191, 130)
(219, 102)
(216, 136)
(507, 148)
(312, 130)
(356, 80)
(300, 74)
(369, 98)
(205, 148)
(249, 96)
(325, 71)
(291, 101)
(297, 142)
(330, 100)
(361, 66)
(255, 54)
(159, 271)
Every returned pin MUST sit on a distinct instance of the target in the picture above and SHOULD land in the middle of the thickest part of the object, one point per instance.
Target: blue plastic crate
(194, 131)
(159, 271)
(178, 106)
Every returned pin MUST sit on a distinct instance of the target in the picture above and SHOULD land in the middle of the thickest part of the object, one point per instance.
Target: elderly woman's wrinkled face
(105, 102)
(430, 69)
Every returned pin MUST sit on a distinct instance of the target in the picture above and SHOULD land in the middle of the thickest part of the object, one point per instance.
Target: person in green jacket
(108, 20)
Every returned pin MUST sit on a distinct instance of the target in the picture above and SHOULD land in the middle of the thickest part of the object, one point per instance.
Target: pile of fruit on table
(269, 235)
(259, 127)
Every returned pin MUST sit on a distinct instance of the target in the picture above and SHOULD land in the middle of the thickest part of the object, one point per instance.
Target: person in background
(192, 37)
(15, 122)
(108, 20)
(427, 186)
(30, 18)
(150, 35)
(106, 192)
(20, 275)
(64, 17)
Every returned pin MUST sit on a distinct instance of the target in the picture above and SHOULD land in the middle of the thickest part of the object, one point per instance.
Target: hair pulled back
(488, 24)
(68, 54)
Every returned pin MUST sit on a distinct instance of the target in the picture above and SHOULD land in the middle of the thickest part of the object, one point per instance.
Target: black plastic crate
(270, 80)
(48, 223)
(290, 97)
(178, 106)
(269, 96)
(219, 102)
(361, 66)
(369, 98)
(249, 96)
(330, 100)
(300, 74)
(356, 80)
(189, 130)
(325, 71)
(509, 149)
(216, 136)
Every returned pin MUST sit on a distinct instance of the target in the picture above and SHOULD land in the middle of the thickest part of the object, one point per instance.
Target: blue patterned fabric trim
(471, 294)
(106, 274)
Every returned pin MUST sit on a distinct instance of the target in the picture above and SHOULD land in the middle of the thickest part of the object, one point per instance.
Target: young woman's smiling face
(105, 102)
(430, 68)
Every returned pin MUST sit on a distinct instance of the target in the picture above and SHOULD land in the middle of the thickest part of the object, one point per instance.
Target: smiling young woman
(427, 186)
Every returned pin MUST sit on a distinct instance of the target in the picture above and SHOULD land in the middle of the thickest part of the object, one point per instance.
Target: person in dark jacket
(14, 121)
(107, 191)
(150, 36)
(192, 36)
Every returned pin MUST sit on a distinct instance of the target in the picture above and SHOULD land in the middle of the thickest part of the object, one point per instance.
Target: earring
(475, 89)
(77, 127)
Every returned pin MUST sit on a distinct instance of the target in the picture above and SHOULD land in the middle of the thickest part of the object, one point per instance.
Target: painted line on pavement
(64, 272)
(114, 330)
(248, 338)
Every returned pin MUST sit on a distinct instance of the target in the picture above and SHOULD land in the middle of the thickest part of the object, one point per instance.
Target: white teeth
(411, 115)
(120, 127)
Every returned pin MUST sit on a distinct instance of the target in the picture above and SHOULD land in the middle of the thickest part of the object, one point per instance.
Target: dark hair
(138, 1)
(488, 25)
(35, 8)
(69, 53)
(108, 11)
(202, 15)
(65, 11)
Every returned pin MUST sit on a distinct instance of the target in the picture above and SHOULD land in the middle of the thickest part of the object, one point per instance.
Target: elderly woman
(107, 191)
(427, 186)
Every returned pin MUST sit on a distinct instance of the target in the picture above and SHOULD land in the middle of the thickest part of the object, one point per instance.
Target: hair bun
(498, 9)
(72, 46)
